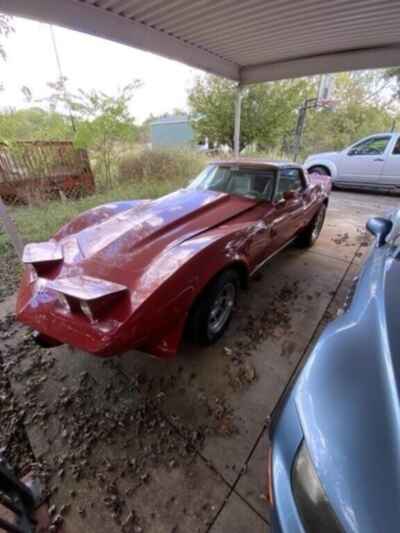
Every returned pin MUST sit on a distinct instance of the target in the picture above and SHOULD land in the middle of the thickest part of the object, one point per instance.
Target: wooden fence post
(11, 229)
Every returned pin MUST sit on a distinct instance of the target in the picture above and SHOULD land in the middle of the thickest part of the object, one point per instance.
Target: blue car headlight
(311, 501)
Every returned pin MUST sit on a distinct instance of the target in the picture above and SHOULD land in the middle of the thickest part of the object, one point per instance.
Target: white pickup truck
(372, 163)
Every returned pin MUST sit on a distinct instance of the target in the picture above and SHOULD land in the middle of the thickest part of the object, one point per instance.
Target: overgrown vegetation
(149, 174)
(160, 165)
(100, 122)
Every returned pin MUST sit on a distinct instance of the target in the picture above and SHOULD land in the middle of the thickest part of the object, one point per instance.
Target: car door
(364, 161)
(391, 169)
(289, 212)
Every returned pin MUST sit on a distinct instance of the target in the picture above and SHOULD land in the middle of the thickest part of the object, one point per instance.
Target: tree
(364, 106)
(392, 75)
(33, 123)
(268, 110)
(6, 28)
(104, 123)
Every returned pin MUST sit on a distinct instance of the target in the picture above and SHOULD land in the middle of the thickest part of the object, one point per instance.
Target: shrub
(161, 165)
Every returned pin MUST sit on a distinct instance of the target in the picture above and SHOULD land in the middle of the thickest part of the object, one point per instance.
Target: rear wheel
(212, 312)
(319, 170)
(310, 235)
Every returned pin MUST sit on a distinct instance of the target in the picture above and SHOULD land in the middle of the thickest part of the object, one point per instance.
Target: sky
(90, 62)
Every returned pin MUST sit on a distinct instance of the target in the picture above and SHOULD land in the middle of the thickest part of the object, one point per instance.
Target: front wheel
(212, 312)
(323, 171)
(310, 235)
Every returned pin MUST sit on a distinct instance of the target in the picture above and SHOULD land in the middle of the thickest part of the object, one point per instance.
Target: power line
(61, 76)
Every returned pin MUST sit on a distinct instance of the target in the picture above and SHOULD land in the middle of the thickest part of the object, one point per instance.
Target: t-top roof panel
(244, 40)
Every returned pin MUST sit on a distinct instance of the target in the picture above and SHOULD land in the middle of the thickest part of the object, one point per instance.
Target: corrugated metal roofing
(245, 40)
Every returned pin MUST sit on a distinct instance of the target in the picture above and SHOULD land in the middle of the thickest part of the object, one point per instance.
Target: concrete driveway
(137, 444)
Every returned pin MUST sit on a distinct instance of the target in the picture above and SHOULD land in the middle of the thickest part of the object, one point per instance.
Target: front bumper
(286, 439)
(38, 307)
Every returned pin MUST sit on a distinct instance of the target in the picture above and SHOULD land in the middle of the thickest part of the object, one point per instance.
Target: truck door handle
(379, 159)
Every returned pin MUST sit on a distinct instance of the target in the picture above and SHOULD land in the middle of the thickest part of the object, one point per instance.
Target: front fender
(181, 274)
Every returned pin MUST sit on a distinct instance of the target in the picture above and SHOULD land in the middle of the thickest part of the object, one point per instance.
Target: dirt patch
(14, 442)
(10, 273)
(87, 430)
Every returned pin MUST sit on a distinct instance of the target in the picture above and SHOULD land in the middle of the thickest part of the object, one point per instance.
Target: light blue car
(335, 457)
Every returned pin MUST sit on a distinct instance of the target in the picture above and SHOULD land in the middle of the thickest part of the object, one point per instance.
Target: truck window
(371, 146)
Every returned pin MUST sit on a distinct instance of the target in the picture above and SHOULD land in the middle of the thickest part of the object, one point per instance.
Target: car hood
(323, 155)
(173, 217)
(347, 398)
(120, 247)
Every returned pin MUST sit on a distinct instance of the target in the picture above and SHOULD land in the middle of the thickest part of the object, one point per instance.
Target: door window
(396, 149)
(290, 179)
(371, 146)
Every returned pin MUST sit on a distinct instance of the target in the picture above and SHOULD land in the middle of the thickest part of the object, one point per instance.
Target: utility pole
(238, 108)
(62, 79)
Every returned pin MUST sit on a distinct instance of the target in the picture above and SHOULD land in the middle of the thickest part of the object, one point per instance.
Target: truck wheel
(319, 170)
(310, 235)
(212, 312)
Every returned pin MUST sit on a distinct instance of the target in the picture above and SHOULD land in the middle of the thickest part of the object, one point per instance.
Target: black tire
(199, 328)
(309, 236)
(319, 170)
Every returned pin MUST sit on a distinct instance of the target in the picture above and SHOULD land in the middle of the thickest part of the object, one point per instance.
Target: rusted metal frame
(21, 502)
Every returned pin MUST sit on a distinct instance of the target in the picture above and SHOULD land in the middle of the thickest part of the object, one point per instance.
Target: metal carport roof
(244, 40)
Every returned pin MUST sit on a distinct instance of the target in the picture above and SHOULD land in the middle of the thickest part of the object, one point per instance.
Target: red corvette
(137, 274)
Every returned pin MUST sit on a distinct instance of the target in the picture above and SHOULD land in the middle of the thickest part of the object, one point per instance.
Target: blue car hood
(347, 398)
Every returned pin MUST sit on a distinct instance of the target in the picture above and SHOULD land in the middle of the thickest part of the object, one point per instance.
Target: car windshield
(254, 183)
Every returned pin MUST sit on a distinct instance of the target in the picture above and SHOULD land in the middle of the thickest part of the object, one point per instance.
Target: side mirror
(290, 195)
(380, 228)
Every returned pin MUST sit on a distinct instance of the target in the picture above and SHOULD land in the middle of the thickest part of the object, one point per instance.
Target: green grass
(39, 223)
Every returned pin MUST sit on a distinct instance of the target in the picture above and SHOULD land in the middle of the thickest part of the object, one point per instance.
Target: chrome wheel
(222, 308)
(319, 221)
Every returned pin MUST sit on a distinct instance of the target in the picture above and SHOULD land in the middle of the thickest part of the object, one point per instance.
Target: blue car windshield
(250, 182)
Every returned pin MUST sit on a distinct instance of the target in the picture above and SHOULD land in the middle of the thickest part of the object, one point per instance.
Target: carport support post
(238, 107)
(11, 229)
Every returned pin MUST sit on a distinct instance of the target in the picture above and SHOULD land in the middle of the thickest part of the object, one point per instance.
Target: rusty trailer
(43, 170)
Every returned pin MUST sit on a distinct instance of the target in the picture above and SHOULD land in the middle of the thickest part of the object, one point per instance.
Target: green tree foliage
(364, 105)
(393, 75)
(106, 123)
(268, 110)
(33, 124)
(102, 123)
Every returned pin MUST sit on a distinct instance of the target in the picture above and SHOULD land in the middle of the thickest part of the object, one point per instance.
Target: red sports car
(137, 274)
